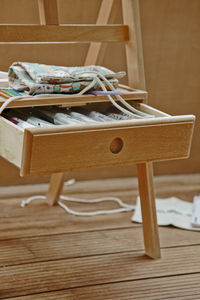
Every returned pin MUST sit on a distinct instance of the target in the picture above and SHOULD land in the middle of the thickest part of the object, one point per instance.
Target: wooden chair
(163, 131)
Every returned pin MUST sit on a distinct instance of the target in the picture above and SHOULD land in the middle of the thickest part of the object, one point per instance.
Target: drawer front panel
(65, 151)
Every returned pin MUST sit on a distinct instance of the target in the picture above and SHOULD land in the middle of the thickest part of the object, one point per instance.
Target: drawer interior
(50, 148)
(38, 117)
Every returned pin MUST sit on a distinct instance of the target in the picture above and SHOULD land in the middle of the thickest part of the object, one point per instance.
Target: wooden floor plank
(72, 245)
(44, 220)
(185, 287)
(109, 268)
(46, 253)
(40, 219)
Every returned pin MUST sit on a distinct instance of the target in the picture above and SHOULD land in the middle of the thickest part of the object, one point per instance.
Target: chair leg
(55, 188)
(147, 198)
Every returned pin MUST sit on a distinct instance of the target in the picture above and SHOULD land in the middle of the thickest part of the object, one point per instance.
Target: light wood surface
(149, 218)
(183, 186)
(47, 254)
(100, 271)
(48, 12)
(103, 17)
(62, 152)
(185, 287)
(136, 78)
(68, 101)
(133, 47)
(35, 141)
(64, 33)
(55, 188)
(11, 145)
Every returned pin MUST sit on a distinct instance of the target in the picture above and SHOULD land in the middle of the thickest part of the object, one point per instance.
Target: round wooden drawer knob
(116, 145)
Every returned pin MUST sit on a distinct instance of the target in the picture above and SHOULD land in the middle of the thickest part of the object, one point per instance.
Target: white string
(132, 111)
(9, 100)
(122, 100)
(30, 199)
(123, 206)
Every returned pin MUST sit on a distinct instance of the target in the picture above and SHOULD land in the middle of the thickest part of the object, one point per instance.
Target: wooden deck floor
(47, 254)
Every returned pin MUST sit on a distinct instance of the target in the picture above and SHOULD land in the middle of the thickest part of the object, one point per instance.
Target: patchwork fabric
(33, 78)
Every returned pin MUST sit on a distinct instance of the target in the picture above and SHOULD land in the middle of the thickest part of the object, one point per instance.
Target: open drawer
(59, 148)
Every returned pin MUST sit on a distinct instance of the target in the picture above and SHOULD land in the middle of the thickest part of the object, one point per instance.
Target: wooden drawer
(63, 148)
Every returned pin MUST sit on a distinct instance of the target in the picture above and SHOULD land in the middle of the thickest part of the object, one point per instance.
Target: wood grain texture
(101, 269)
(176, 287)
(55, 188)
(64, 147)
(76, 100)
(11, 141)
(48, 12)
(44, 220)
(103, 17)
(64, 33)
(148, 208)
(182, 185)
(47, 254)
(16, 251)
(26, 153)
(134, 52)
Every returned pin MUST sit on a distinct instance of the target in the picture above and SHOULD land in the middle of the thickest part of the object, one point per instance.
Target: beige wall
(171, 44)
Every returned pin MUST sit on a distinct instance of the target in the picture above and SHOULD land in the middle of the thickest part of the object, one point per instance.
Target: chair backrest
(49, 30)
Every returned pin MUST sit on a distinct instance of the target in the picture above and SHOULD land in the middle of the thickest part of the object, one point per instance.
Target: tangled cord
(123, 206)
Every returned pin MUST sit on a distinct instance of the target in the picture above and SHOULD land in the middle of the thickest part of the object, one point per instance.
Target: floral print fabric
(34, 78)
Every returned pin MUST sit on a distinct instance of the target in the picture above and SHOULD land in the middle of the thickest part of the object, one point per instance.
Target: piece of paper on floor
(170, 211)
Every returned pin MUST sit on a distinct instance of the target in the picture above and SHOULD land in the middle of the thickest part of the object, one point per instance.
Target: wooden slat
(103, 17)
(82, 244)
(64, 33)
(134, 53)
(68, 273)
(183, 287)
(104, 49)
(48, 12)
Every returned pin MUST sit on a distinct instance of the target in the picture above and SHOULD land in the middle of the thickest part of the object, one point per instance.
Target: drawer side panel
(11, 141)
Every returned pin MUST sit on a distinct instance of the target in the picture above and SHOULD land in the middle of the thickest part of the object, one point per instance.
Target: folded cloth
(34, 78)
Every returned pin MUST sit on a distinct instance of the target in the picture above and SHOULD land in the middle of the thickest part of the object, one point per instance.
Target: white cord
(9, 100)
(132, 111)
(124, 207)
(30, 199)
(122, 100)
